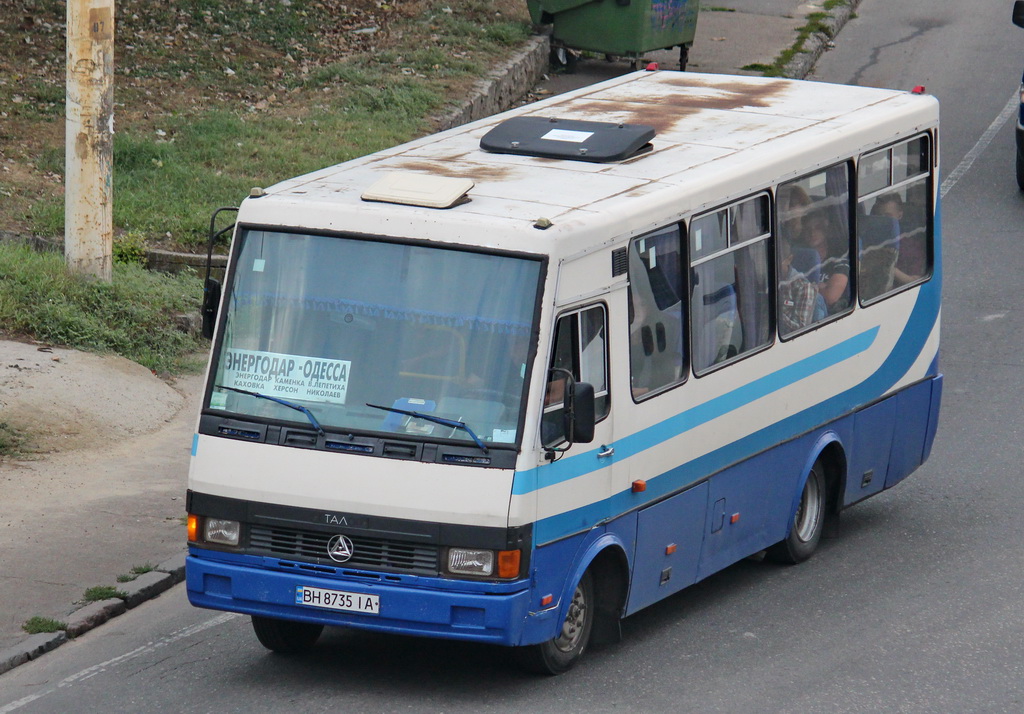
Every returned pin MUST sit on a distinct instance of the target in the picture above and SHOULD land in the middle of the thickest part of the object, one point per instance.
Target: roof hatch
(412, 189)
(595, 141)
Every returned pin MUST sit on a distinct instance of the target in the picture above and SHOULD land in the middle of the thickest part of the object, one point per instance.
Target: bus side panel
(913, 408)
(750, 505)
(668, 545)
(869, 457)
(933, 417)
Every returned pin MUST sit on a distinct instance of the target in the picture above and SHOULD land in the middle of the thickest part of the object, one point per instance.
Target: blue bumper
(409, 605)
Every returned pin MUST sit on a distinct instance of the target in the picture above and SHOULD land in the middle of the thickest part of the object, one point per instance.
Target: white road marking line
(121, 659)
(965, 164)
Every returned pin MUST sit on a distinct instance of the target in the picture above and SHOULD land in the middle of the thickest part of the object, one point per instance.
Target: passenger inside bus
(832, 250)
(798, 296)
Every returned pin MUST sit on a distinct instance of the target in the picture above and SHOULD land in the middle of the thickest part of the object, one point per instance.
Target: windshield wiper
(437, 420)
(282, 402)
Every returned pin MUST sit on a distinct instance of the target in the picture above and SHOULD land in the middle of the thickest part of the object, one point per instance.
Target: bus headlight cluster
(220, 531)
(464, 561)
(483, 563)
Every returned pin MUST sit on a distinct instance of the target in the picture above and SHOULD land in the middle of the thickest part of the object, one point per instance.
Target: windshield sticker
(219, 400)
(503, 436)
(287, 376)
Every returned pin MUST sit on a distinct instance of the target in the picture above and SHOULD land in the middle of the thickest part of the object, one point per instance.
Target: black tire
(561, 653)
(285, 636)
(808, 521)
(1020, 171)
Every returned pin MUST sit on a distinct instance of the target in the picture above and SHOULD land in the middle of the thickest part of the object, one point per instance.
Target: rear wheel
(808, 521)
(285, 636)
(1020, 171)
(561, 653)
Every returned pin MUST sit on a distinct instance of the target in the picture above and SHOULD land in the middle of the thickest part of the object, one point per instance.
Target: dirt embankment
(62, 399)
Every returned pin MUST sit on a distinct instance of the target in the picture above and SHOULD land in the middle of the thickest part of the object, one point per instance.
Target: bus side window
(814, 248)
(580, 348)
(656, 335)
(894, 234)
(729, 293)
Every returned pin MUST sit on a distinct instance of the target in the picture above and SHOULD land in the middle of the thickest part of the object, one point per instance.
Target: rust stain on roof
(665, 112)
(662, 116)
(477, 172)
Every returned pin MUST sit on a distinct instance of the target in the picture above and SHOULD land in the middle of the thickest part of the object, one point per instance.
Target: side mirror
(580, 412)
(1018, 13)
(211, 301)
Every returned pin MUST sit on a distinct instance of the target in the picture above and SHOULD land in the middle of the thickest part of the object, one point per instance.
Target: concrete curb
(820, 42)
(503, 87)
(145, 587)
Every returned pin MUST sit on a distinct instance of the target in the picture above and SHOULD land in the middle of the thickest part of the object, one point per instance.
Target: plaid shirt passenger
(797, 296)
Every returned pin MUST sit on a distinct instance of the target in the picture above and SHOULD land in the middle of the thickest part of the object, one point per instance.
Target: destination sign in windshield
(286, 376)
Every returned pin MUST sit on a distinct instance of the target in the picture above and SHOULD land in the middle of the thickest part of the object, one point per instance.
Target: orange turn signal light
(546, 600)
(508, 563)
(193, 528)
(734, 518)
(639, 486)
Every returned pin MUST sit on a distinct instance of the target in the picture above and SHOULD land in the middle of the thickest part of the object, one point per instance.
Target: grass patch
(11, 440)
(213, 98)
(135, 316)
(135, 572)
(37, 625)
(102, 592)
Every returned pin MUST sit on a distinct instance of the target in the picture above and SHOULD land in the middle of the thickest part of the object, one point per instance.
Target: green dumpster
(622, 28)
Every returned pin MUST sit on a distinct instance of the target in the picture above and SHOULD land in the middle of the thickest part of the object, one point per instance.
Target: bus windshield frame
(337, 326)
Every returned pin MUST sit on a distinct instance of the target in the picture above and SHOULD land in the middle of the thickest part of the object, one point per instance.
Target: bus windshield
(338, 327)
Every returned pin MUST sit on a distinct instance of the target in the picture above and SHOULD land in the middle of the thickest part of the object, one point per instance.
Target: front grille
(370, 553)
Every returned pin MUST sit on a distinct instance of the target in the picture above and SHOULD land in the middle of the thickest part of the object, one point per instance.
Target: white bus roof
(717, 137)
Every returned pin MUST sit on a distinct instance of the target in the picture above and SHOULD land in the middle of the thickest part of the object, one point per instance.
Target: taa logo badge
(340, 548)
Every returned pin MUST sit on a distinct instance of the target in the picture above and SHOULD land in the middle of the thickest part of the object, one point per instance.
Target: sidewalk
(109, 494)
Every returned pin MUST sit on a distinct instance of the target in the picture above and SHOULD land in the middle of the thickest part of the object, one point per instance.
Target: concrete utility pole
(89, 138)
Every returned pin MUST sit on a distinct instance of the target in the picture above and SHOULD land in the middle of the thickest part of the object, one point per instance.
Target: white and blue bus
(515, 381)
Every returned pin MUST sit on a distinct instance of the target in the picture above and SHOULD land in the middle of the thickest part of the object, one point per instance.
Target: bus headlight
(481, 563)
(466, 561)
(222, 531)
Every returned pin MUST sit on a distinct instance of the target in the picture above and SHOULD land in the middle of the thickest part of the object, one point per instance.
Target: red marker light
(652, 67)
(919, 89)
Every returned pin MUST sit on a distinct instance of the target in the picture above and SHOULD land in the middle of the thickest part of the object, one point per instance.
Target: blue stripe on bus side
(904, 353)
(580, 465)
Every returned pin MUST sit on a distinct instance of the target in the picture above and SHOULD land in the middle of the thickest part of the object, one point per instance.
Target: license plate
(337, 600)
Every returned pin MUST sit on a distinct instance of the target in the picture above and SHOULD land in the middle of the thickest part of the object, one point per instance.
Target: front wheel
(808, 521)
(285, 636)
(1020, 171)
(561, 653)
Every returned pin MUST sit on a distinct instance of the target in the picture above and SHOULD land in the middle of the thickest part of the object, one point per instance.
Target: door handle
(605, 451)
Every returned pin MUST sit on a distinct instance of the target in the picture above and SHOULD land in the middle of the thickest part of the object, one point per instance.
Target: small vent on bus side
(593, 141)
(620, 262)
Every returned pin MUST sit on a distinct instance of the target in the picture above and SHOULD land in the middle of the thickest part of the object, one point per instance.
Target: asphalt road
(918, 605)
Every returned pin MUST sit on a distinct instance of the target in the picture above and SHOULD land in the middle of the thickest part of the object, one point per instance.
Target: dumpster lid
(595, 141)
